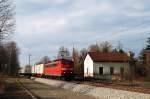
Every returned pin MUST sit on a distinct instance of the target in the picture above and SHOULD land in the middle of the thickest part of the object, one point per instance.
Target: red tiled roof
(109, 57)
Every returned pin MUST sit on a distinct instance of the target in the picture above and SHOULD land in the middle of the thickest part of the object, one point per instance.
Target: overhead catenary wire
(142, 25)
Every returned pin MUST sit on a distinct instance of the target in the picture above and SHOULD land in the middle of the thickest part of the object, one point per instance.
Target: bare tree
(7, 23)
(94, 48)
(83, 53)
(101, 47)
(44, 60)
(3, 59)
(6, 19)
(82, 56)
(105, 46)
(13, 58)
(75, 55)
(75, 58)
(9, 61)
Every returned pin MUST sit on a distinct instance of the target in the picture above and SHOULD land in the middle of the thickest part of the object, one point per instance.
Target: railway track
(120, 86)
(25, 89)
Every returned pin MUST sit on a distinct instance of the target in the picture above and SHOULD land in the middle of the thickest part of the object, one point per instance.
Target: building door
(87, 71)
(111, 70)
(122, 71)
(101, 70)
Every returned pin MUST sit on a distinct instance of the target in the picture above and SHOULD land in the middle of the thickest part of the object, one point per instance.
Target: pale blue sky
(45, 25)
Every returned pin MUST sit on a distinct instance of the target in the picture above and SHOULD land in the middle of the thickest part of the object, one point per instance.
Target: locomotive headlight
(64, 72)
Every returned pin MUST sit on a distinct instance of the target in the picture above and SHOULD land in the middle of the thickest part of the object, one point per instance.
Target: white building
(106, 65)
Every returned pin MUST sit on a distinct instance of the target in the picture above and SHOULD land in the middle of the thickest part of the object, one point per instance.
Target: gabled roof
(109, 57)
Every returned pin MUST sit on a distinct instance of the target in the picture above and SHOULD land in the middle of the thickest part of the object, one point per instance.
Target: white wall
(88, 64)
(106, 67)
(38, 69)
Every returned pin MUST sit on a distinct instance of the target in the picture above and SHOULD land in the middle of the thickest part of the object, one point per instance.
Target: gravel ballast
(98, 92)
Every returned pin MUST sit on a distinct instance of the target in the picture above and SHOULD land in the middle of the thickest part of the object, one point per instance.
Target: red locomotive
(61, 68)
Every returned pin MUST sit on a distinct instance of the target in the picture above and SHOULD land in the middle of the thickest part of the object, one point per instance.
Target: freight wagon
(38, 70)
(26, 71)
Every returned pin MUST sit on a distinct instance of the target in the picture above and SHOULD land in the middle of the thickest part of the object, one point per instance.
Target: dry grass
(2, 86)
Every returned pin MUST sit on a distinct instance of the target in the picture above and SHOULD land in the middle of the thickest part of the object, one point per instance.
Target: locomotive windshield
(66, 62)
(51, 65)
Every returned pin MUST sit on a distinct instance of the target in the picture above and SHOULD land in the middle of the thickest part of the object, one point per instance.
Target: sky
(43, 26)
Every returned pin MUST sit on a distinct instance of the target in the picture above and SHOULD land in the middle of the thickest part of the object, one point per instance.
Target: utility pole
(120, 46)
(29, 59)
(73, 52)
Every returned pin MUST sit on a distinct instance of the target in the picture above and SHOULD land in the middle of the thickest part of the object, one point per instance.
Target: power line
(131, 28)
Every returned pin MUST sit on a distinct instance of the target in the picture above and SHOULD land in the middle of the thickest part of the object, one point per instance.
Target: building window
(101, 70)
(122, 70)
(111, 70)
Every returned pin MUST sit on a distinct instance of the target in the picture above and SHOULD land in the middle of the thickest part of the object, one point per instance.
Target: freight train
(60, 68)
